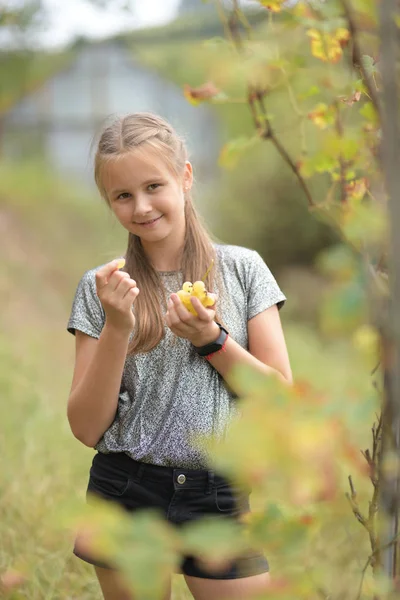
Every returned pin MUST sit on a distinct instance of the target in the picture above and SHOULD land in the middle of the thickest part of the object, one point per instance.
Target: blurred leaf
(314, 90)
(363, 223)
(216, 43)
(328, 47)
(369, 64)
(366, 340)
(337, 146)
(321, 162)
(322, 115)
(343, 308)
(357, 188)
(142, 544)
(202, 93)
(214, 538)
(272, 5)
(368, 112)
(233, 150)
(338, 262)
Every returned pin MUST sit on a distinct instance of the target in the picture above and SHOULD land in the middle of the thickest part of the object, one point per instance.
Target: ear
(187, 176)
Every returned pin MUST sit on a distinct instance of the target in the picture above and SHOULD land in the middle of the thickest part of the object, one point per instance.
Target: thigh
(233, 589)
(113, 586)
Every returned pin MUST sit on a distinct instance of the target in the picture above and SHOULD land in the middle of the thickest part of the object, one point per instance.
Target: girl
(149, 374)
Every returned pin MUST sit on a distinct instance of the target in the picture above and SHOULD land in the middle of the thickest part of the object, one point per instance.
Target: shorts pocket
(231, 499)
(107, 486)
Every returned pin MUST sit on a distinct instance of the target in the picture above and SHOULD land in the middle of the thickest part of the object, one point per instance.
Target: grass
(54, 233)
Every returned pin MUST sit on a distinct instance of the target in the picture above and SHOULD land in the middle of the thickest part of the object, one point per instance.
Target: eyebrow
(147, 182)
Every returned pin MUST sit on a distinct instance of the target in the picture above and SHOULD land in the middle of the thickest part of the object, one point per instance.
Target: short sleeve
(263, 290)
(87, 314)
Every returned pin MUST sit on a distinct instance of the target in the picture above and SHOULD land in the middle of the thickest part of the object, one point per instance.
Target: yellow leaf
(366, 340)
(272, 5)
(328, 47)
(322, 116)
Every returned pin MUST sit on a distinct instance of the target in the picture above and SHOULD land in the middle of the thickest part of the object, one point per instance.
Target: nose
(142, 206)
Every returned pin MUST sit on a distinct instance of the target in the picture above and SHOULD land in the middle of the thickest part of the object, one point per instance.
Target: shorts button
(181, 478)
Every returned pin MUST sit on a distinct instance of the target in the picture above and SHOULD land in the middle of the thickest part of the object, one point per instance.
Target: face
(146, 196)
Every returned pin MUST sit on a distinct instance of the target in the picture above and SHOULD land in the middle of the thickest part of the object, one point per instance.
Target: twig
(225, 21)
(357, 56)
(352, 498)
(262, 125)
(371, 558)
(342, 163)
(268, 133)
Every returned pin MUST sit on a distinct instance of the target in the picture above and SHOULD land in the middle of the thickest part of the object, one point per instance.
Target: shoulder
(86, 287)
(239, 260)
(230, 254)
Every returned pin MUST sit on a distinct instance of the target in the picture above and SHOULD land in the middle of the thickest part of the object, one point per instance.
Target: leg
(113, 587)
(232, 589)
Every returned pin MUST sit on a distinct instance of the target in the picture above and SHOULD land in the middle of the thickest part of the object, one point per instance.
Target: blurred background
(64, 69)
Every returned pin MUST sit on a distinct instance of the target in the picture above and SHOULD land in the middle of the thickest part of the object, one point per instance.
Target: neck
(165, 255)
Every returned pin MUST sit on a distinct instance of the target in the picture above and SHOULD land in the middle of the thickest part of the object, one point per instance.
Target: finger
(131, 295)
(125, 286)
(117, 279)
(183, 314)
(173, 317)
(122, 284)
(103, 274)
(204, 314)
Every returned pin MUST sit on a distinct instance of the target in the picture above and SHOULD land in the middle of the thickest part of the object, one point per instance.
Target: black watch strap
(213, 346)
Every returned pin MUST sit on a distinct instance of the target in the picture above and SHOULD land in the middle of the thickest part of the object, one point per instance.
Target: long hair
(123, 135)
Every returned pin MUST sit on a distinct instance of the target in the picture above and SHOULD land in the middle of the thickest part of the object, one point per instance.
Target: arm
(93, 399)
(267, 348)
(99, 363)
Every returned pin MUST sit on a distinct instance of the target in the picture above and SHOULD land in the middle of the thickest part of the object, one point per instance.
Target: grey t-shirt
(171, 394)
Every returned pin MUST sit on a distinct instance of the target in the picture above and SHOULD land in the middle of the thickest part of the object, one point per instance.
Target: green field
(52, 234)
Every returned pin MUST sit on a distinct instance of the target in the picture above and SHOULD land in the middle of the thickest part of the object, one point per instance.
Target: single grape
(187, 287)
(199, 289)
(183, 296)
(208, 301)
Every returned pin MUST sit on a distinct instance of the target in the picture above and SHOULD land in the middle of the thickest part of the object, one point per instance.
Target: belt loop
(210, 482)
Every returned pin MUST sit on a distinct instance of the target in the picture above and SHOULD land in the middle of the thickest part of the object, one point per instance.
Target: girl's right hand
(117, 291)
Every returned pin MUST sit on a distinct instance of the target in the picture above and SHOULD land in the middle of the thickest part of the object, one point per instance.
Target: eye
(153, 186)
(123, 196)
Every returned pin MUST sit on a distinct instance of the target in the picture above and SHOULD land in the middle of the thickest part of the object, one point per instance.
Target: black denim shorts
(181, 495)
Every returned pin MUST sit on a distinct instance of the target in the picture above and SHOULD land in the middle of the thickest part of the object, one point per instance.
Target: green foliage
(44, 472)
(295, 446)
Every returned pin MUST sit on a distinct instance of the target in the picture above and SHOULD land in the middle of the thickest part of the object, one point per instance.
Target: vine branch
(357, 56)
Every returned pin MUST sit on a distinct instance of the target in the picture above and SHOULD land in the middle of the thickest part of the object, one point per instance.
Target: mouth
(148, 223)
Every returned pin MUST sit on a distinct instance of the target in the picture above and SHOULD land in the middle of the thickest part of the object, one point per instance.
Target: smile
(149, 223)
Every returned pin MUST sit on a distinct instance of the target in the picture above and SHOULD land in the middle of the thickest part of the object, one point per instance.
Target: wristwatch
(213, 346)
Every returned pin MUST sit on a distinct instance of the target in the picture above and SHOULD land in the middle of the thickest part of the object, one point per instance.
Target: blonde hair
(123, 135)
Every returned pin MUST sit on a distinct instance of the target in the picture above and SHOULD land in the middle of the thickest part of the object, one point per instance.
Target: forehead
(133, 169)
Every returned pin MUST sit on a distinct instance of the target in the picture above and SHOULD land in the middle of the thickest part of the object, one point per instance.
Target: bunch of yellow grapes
(197, 289)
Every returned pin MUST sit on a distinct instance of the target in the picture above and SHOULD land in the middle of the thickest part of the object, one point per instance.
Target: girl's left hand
(199, 330)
